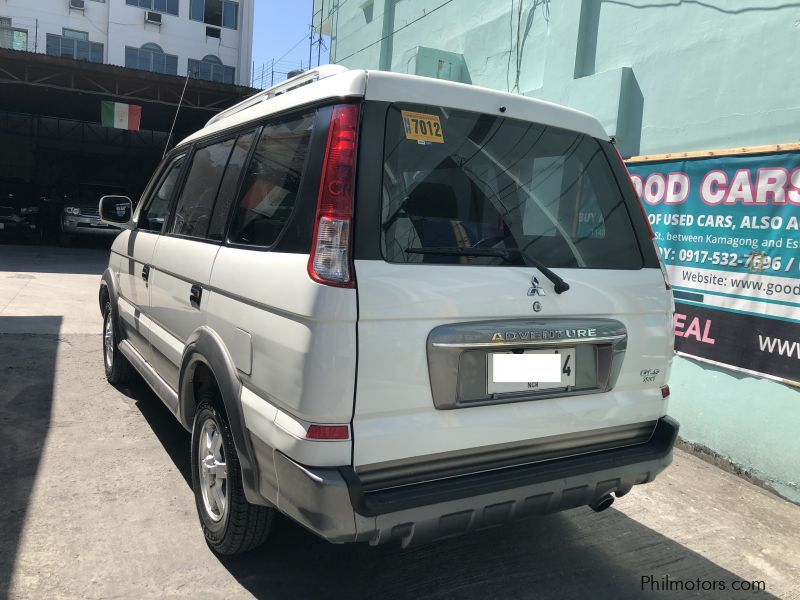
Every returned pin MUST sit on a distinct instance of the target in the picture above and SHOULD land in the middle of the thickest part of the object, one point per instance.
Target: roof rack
(295, 82)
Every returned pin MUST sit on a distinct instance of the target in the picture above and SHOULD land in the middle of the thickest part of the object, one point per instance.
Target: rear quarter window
(525, 192)
(272, 181)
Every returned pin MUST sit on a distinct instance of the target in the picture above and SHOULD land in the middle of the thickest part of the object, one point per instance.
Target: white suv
(395, 308)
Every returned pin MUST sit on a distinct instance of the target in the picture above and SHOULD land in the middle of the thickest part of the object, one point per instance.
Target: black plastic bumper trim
(391, 500)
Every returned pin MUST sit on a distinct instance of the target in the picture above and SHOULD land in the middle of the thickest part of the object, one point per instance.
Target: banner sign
(728, 229)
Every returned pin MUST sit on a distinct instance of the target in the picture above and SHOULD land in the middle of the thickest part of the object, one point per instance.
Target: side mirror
(117, 211)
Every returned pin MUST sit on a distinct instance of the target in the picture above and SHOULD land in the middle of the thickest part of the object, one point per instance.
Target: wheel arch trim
(204, 346)
(107, 284)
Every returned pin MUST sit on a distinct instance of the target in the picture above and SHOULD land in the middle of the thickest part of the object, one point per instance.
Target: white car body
(292, 354)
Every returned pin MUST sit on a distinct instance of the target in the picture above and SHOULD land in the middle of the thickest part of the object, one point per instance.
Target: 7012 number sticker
(422, 127)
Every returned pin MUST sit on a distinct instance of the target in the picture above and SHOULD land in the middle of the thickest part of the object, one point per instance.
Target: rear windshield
(458, 182)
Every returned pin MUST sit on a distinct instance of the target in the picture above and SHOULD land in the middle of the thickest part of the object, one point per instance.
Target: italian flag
(120, 116)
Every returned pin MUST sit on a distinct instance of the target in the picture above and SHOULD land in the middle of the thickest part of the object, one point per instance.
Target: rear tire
(118, 369)
(231, 525)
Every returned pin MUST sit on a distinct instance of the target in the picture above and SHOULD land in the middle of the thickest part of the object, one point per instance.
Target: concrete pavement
(50, 282)
(97, 482)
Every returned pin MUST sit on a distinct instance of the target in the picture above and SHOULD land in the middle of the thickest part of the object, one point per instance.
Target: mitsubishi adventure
(394, 308)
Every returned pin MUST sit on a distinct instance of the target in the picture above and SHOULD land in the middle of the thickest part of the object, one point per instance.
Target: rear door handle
(146, 273)
(195, 295)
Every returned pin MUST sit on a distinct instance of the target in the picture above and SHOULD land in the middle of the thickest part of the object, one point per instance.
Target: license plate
(532, 371)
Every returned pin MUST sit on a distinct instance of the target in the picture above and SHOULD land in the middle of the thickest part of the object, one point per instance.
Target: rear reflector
(665, 392)
(331, 261)
(328, 432)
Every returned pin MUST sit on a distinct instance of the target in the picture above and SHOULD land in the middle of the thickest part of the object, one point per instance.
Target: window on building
(222, 13)
(163, 6)
(271, 182)
(12, 38)
(75, 34)
(69, 47)
(211, 69)
(150, 57)
(230, 15)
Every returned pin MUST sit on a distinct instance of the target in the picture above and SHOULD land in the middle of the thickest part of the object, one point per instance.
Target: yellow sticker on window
(422, 127)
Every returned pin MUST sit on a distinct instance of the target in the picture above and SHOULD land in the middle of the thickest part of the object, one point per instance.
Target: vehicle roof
(332, 82)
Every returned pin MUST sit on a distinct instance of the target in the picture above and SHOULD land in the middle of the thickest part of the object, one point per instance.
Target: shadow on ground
(26, 396)
(88, 257)
(576, 554)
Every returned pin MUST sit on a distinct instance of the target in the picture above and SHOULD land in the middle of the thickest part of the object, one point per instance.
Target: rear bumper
(332, 503)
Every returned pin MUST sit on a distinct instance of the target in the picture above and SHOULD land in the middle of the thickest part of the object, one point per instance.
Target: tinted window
(228, 188)
(193, 210)
(155, 211)
(521, 191)
(273, 178)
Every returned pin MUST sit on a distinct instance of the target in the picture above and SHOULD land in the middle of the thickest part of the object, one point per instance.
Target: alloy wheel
(108, 340)
(213, 470)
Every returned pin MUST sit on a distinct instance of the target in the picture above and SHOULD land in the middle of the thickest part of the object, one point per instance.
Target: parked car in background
(20, 212)
(80, 217)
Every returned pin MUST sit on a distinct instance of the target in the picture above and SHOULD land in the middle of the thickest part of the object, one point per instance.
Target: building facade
(63, 72)
(662, 77)
(207, 39)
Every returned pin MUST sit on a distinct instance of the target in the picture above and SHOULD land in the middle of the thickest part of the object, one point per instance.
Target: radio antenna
(175, 118)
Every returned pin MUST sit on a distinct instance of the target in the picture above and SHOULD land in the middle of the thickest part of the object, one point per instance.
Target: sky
(280, 25)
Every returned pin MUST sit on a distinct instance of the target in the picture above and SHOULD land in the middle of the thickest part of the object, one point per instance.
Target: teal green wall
(753, 422)
(662, 76)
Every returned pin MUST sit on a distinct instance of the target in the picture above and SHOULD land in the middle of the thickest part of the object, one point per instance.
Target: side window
(156, 208)
(196, 201)
(228, 188)
(272, 180)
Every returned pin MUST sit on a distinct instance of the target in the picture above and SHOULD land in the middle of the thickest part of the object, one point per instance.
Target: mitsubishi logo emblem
(535, 289)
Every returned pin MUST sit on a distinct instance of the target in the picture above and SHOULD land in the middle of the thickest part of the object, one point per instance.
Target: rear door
(474, 212)
(185, 254)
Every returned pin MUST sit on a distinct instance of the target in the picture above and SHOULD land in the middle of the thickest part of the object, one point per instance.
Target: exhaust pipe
(602, 503)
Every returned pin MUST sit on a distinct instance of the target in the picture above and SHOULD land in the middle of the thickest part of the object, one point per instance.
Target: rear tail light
(647, 222)
(331, 259)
